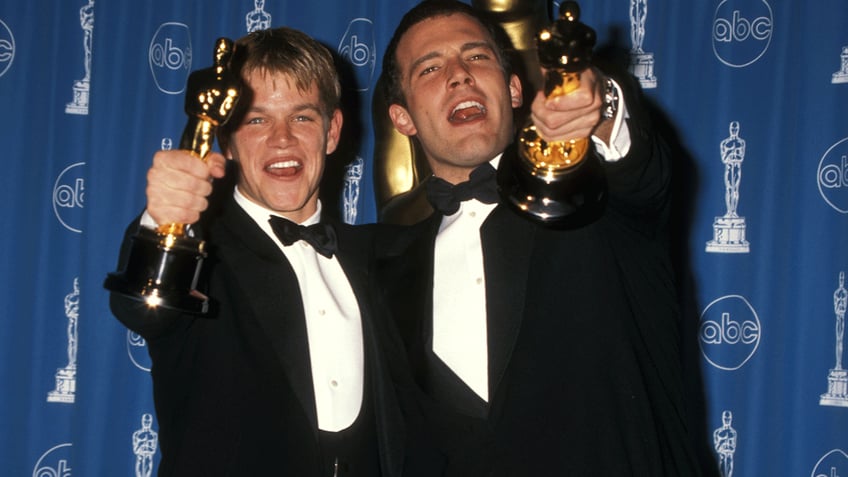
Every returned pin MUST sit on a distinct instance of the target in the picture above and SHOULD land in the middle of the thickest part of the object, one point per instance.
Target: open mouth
(467, 111)
(284, 168)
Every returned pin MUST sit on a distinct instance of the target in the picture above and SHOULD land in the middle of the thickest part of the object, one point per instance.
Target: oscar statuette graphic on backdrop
(257, 19)
(729, 229)
(164, 264)
(559, 184)
(66, 377)
(841, 76)
(145, 442)
(724, 443)
(641, 62)
(837, 378)
(82, 87)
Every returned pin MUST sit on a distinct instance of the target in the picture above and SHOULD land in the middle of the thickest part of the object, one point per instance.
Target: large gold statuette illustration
(557, 183)
(163, 265)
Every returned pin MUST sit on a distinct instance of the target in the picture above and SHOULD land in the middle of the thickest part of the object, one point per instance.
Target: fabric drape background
(754, 93)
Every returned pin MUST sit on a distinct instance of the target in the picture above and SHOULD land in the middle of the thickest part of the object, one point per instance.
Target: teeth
(468, 104)
(283, 164)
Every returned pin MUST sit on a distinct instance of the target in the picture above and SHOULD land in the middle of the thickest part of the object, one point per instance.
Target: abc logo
(7, 48)
(137, 351)
(54, 462)
(742, 31)
(69, 197)
(729, 333)
(833, 176)
(833, 463)
(170, 57)
(357, 46)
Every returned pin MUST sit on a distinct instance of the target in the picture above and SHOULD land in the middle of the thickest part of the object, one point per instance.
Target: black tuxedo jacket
(584, 368)
(233, 390)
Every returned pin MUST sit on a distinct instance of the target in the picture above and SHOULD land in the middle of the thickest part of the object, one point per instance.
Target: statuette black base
(162, 271)
(561, 199)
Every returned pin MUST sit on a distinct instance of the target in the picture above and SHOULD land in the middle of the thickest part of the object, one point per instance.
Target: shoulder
(408, 208)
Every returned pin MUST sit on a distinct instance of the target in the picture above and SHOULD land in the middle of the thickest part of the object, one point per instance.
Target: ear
(334, 131)
(402, 120)
(515, 91)
(224, 145)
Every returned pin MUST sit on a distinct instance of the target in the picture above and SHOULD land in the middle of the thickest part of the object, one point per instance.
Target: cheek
(248, 137)
(236, 146)
(312, 141)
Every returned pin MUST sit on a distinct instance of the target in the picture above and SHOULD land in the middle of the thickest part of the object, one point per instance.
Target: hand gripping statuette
(559, 184)
(163, 265)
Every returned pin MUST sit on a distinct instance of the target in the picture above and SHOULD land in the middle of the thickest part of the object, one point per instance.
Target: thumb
(217, 164)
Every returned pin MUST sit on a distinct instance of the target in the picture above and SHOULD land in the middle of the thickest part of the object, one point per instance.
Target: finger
(170, 178)
(570, 116)
(217, 165)
(181, 160)
(181, 167)
(168, 206)
(586, 95)
(177, 187)
(564, 125)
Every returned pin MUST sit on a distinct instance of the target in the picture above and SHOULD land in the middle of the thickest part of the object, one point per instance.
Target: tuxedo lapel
(424, 252)
(353, 255)
(424, 256)
(274, 299)
(357, 260)
(507, 244)
(408, 275)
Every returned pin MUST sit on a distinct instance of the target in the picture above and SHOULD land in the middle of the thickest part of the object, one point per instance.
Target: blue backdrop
(756, 92)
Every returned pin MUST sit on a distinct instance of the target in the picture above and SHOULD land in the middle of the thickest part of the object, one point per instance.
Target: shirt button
(479, 280)
(472, 214)
(334, 383)
(322, 312)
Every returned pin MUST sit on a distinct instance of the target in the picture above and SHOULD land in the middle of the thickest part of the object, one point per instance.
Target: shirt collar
(497, 160)
(261, 214)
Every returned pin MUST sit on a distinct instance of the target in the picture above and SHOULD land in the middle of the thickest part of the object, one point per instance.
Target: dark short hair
(292, 53)
(391, 74)
(295, 54)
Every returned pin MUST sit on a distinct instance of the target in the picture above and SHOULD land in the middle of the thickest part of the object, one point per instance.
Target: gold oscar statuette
(163, 265)
(559, 184)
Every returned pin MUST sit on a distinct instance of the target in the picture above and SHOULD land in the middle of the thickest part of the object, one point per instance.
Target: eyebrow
(471, 45)
(308, 106)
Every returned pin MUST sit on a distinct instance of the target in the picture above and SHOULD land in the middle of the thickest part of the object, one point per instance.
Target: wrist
(609, 92)
(608, 110)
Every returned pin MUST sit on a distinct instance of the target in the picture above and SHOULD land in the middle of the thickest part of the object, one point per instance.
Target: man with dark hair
(553, 352)
(288, 374)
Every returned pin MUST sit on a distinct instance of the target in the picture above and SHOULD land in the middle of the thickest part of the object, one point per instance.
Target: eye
(427, 70)
(254, 120)
(480, 56)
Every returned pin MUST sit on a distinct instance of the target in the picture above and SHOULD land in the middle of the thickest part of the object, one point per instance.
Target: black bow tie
(322, 237)
(481, 185)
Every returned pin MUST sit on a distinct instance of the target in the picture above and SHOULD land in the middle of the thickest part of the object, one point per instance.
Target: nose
(280, 134)
(459, 74)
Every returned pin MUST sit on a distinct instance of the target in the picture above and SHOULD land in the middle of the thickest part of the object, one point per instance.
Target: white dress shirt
(333, 323)
(459, 296)
(459, 279)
